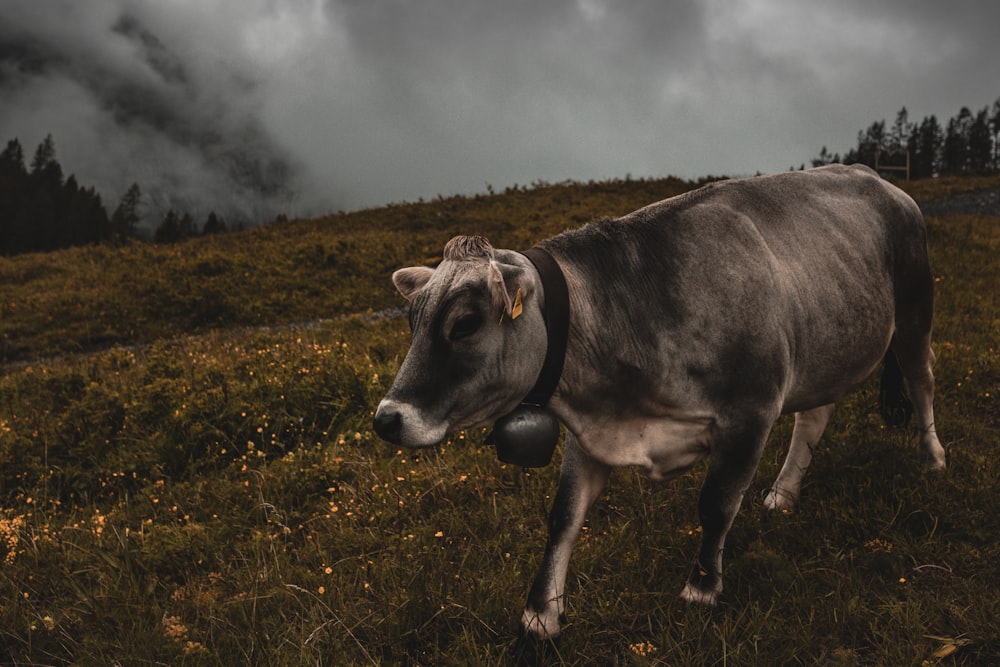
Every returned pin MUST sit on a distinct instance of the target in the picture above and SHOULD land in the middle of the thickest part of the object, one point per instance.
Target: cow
(693, 323)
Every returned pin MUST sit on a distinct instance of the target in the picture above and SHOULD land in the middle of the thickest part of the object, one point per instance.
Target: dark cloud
(309, 106)
(127, 106)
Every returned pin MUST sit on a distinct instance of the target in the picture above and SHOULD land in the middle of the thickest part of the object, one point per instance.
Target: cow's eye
(465, 326)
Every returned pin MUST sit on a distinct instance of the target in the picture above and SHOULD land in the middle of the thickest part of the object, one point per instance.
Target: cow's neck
(556, 314)
(528, 435)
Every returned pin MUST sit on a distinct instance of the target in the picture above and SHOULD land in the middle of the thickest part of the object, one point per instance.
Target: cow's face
(478, 343)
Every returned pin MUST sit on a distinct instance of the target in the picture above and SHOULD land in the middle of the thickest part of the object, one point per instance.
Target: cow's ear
(411, 280)
(502, 299)
(509, 288)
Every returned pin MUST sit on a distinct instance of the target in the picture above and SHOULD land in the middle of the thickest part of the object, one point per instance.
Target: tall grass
(218, 498)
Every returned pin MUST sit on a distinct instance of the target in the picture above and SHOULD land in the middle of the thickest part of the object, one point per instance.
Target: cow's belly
(838, 325)
(832, 366)
(663, 447)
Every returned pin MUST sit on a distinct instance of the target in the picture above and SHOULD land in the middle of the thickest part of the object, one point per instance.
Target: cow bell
(526, 437)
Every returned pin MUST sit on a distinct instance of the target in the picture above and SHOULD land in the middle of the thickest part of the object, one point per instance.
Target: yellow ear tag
(517, 308)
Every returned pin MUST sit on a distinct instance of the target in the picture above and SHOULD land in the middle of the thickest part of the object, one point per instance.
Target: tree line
(969, 143)
(42, 210)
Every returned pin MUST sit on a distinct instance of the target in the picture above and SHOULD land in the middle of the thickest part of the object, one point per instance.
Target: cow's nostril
(389, 425)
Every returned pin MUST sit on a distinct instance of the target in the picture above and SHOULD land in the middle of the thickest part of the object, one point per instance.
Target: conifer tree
(213, 225)
(13, 183)
(169, 229)
(185, 227)
(45, 155)
(12, 156)
(995, 127)
(126, 218)
(980, 142)
(925, 148)
(900, 133)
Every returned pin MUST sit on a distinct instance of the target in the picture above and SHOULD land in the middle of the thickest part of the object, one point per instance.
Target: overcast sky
(311, 106)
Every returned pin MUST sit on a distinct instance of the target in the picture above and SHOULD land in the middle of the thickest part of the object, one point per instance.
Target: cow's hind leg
(581, 480)
(735, 454)
(916, 361)
(808, 428)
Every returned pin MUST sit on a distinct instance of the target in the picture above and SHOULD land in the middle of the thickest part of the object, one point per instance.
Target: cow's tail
(893, 404)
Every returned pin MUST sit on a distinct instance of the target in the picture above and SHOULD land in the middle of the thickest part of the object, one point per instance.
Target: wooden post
(879, 168)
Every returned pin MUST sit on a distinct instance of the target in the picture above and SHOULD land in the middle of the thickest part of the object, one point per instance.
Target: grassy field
(188, 474)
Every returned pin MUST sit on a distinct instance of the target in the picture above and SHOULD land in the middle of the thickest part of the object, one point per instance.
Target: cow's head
(478, 343)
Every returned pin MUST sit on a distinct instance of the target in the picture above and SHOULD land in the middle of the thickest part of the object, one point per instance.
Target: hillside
(188, 475)
(90, 298)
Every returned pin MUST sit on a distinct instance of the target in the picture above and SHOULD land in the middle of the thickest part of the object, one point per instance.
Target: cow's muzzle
(403, 424)
(389, 425)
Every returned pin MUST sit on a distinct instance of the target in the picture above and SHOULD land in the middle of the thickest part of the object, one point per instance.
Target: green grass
(213, 494)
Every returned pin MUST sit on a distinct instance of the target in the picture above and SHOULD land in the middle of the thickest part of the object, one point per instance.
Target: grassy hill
(188, 475)
(93, 297)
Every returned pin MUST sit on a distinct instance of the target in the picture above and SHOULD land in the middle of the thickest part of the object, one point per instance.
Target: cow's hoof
(696, 595)
(777, 500)
(541, 624)
(935, 462)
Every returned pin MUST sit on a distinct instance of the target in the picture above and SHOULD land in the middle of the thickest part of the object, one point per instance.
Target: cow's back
(790, 280)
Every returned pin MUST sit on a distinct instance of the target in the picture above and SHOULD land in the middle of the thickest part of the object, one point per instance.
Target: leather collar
(556, 315)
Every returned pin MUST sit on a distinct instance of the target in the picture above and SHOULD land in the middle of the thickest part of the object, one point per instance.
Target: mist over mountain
(125, 107)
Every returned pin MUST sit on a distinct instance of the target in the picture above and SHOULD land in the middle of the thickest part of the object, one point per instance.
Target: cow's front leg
(581, 480)
(735, 454)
